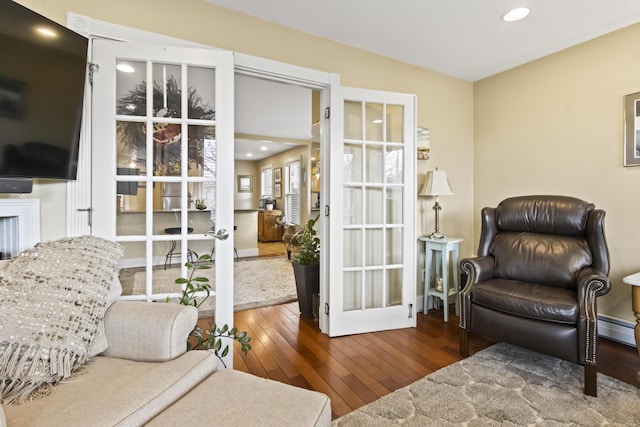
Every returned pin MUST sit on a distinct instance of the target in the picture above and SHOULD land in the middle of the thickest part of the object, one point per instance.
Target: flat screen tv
(42, 78)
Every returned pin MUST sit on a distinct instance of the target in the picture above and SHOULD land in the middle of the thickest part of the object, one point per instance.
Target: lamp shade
(436, 184)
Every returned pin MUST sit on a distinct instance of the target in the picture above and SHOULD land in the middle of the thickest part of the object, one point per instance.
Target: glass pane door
(165, 160)
(374, 287)
(162, 154)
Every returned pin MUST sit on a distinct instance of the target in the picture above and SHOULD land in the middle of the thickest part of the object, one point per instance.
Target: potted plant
(205, 339)
(200, 204)
(306, 266)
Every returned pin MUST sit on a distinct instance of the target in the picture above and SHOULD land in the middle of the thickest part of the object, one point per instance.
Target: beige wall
(445, 104)
(551, 126)
(278, 161)
(247, 200)
(554, 126)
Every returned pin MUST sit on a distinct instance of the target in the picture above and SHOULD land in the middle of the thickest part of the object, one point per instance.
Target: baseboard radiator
(616, 330)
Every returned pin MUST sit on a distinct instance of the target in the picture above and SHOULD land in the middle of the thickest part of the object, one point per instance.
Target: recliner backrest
(546, 259)
(541, 239)
(544, 214)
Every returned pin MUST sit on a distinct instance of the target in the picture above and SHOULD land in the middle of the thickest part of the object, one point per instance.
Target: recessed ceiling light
(263, 148)
(47, 32)
(516, 14)
(125, 68)
(249, 155)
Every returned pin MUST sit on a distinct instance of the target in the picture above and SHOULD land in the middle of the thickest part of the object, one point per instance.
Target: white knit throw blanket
(52, 299)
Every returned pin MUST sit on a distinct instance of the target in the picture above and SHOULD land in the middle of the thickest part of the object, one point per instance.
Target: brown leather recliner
(542, 261)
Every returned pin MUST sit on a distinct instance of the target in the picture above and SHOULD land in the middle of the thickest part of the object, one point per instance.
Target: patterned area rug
(503, 385)
(258, 283)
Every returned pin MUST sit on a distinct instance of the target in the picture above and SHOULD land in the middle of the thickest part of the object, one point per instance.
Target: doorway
(370, 190)
(276, 149)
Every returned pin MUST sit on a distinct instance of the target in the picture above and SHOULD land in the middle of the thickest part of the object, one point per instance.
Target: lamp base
(436, 235)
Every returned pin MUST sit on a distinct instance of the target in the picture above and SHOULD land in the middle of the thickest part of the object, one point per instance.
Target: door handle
(89, 212)
(221, 234)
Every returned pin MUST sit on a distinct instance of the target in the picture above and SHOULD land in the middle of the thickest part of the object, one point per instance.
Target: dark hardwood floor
(358, 369)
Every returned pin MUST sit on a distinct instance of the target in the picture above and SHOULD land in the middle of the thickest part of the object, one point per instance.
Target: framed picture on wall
(245, 184)
(632, 129)
(277, 190)
(277, 175)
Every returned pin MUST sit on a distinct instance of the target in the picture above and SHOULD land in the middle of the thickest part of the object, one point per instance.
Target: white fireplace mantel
(27, 211)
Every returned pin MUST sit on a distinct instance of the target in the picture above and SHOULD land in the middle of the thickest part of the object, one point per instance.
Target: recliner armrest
(478, 269)
(591, 284)
(148, 331)
(592, 280)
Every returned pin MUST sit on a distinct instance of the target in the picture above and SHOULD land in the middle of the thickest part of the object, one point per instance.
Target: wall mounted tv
(42, 78)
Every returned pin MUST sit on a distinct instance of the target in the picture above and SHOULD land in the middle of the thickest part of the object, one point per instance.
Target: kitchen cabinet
(268, 229)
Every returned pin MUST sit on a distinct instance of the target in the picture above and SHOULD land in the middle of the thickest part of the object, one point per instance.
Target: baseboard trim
(140, 262)
(616, 330)
(245, 253)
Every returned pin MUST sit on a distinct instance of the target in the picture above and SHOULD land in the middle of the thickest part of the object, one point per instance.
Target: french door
(163, 143)
(368, 191)
(371, 212)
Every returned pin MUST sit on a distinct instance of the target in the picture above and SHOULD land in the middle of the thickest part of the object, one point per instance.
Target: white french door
(162, 139)
(368, 256)
(371, 211)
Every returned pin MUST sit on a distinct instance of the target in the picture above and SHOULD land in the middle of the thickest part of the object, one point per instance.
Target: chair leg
(169, 257)
(464, 342)
(591, 380)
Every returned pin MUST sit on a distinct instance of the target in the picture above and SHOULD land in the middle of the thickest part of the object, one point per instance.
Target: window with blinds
(266, 187)
(292, 192)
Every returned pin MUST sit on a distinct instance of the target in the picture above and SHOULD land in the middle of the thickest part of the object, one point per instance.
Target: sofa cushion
(248, 400)
(116, 392)
(52, 299)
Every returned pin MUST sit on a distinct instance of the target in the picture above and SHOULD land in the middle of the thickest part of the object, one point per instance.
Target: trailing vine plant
(205, 339)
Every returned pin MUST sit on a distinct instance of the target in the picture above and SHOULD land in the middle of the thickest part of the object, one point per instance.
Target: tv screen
(42, 77)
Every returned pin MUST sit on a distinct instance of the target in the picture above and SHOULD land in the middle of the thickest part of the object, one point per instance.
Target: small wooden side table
(441, 248)
(634, 281)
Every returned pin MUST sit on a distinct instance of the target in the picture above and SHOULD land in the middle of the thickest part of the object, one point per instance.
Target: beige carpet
(258, 283)
(503, 385)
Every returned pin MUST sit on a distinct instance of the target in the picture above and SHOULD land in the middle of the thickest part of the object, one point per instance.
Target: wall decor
(245, 184)
(277, 190)
(423, 143)
(632, 129)
(277, 175)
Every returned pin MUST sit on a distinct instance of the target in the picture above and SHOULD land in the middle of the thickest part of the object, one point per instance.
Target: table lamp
(436, 185)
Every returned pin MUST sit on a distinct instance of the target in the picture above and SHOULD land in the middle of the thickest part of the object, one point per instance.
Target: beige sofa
(146, 376)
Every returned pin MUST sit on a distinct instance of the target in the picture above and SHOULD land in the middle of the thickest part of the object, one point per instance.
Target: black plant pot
(307, 284)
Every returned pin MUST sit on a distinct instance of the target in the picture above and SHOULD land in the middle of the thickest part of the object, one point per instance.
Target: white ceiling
(258, 149)
(462, 38)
